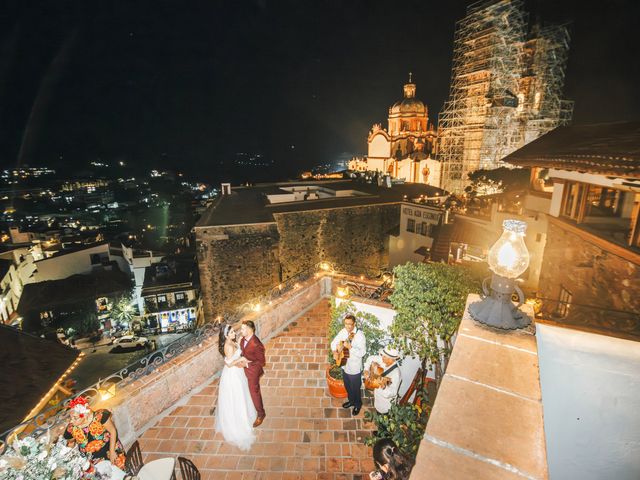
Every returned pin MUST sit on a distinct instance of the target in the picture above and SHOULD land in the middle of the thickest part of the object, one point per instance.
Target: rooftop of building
(603, 148)
(27, 373)
(170, 271)
(248, 205)
(72, 249)
(73, 289)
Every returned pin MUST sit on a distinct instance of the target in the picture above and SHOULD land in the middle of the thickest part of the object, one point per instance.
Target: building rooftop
(73, 289)
(171, 271)
(247, 205)
(604, 148)
(27, 373)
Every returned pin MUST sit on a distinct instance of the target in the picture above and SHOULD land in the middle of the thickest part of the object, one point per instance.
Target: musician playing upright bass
(351, 343)
(385, 366)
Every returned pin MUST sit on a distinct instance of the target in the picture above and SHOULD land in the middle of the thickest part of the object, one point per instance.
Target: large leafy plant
(429, 300)
(367, 322)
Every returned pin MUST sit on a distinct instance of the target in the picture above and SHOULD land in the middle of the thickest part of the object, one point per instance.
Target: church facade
(403, 150)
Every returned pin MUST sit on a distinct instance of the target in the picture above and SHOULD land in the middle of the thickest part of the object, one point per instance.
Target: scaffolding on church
(505, 89)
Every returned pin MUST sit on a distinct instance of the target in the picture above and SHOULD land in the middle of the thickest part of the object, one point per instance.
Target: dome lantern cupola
(409, 88)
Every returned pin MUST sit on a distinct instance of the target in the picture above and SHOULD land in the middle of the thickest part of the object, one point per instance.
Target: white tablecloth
(160, 469)
(109, 470)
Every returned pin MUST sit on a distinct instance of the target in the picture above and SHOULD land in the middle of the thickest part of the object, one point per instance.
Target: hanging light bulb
(509, 256)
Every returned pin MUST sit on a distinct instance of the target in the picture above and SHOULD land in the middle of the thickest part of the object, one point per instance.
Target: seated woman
(391, 463)
(94, 433)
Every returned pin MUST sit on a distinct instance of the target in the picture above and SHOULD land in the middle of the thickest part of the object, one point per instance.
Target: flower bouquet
(37, 459)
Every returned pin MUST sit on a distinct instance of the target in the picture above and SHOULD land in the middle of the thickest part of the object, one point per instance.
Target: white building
(418, 226)
(16, 269)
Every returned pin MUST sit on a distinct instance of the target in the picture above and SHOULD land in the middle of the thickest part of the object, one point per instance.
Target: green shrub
(404, 424)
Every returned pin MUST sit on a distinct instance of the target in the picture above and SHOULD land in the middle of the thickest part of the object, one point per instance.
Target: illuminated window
(564, 302)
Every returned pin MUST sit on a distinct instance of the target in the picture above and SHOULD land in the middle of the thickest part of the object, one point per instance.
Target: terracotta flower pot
(336, 387)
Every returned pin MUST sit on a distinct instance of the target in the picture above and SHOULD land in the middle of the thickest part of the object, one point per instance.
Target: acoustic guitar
(376, 377)
(341, 355)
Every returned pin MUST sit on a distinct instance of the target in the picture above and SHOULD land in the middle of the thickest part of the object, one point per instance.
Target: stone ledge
(487, 421)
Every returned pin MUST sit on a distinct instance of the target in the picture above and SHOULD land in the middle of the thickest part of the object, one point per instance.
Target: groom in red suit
(253, 351)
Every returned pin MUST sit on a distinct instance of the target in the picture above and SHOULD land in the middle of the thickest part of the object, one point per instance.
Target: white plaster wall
(556, 199)
(591, 400)
(63, 266)
(379, 147)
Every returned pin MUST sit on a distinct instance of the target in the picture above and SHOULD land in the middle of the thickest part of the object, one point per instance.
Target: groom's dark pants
(353, 385)
(254, 389)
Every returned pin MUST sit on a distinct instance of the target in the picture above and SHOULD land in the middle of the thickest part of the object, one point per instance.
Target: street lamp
(508, 259)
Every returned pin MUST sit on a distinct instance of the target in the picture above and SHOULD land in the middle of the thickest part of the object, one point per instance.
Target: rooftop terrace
(306, 433)
(247, 205)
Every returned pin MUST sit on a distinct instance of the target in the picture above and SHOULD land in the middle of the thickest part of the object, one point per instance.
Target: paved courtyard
(306, 434)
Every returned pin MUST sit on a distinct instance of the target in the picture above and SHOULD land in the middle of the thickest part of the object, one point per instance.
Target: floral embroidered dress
(94, 439)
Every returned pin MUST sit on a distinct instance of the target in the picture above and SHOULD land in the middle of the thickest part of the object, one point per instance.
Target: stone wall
(240, 263)
(357, 236)
(236, 264)
(139, 404)
(594, 276)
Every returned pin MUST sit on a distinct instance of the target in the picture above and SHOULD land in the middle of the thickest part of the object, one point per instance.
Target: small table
(161, 469)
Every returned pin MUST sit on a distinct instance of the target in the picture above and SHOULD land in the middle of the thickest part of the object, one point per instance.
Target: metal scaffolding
(505, 89)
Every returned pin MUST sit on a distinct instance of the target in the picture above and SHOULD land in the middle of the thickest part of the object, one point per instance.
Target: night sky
(187, 84)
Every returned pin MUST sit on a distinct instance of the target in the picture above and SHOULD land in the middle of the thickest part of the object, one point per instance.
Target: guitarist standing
(351, 343)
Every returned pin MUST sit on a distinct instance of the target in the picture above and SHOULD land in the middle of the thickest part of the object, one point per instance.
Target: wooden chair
(133, 462)
(188, 469)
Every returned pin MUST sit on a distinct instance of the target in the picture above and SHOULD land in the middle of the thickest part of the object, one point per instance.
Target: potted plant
(404, 424)
(370, 326)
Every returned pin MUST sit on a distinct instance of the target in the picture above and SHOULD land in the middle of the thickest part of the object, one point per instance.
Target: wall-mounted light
(107, 392)
(342, 292)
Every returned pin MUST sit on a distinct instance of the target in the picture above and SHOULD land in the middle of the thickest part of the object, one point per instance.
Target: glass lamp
(508, 259)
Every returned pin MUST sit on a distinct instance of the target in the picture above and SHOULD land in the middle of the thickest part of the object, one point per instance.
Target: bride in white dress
(235, 413)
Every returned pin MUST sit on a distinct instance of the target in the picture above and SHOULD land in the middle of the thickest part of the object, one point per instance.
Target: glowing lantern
(508, 258)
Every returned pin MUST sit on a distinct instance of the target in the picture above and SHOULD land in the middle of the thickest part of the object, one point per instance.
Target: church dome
(409, 104)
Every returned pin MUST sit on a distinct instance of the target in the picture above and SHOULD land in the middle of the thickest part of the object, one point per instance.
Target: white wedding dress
(235, 413)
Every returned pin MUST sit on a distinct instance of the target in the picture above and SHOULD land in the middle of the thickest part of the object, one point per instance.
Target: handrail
(57, 414)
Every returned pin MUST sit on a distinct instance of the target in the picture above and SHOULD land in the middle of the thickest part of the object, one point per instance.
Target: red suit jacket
(254, 352)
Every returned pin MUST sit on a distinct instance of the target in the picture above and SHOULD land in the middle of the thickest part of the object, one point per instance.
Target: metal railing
(592, 317)
(56, 416)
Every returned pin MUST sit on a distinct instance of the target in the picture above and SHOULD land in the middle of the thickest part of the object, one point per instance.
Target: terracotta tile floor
(305, 435)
